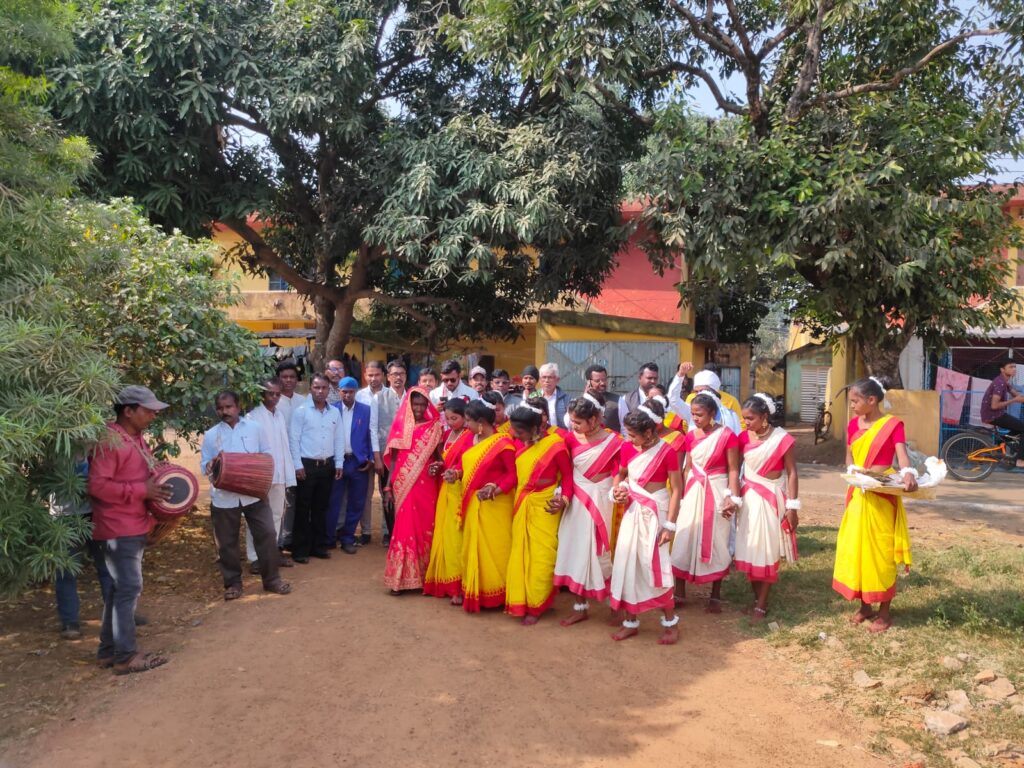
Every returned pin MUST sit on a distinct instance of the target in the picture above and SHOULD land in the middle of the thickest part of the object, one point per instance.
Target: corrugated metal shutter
(622, 359)
(731, 380)
(813, 386)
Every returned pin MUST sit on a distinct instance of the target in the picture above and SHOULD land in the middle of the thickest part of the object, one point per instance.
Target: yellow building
(637, 319)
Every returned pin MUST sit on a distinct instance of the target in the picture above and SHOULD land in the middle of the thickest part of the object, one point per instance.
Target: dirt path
(341, 673)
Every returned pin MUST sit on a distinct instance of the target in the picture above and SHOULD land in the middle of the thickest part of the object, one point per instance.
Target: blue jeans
(124, 561)
(65, 585)
(350, 489)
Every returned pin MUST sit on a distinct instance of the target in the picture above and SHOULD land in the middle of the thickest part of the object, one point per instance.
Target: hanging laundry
(978, 389)
(952, 388)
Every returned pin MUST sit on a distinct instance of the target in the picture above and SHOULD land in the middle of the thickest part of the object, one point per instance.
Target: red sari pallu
(415, 493)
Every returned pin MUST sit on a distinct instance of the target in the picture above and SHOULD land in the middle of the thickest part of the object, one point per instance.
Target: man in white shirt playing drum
(275, 427)
(235, 435)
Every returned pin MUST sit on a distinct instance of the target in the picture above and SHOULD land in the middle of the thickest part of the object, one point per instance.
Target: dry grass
(959, 599)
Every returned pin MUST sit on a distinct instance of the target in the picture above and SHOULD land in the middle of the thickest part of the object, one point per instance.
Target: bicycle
(972, 456)
(823, 423)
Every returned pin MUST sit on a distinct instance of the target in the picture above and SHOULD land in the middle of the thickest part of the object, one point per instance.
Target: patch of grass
(964, 599)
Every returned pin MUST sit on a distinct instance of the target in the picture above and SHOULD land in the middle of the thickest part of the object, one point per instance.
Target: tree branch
(809, 66)
(267, 257)
(900, 75)
(780, 37)
(741, 31)
(705, 30)
(724, 104)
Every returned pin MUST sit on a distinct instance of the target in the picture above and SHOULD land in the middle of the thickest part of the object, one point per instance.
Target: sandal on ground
(139, 662)
(286, 562)
(233, 592)
(714, 605)
(279, 588)
(104, 662)
(254, 567)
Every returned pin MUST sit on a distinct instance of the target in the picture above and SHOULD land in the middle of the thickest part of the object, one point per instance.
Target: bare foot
(669, 636)
(863, 614)
(456, 600)
(714, 605)
(757, 615)
(625, 633)
(879, 625)
(529, 621)
(576, 618)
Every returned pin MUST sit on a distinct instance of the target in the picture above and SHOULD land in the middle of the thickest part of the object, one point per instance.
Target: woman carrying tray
(873, 537)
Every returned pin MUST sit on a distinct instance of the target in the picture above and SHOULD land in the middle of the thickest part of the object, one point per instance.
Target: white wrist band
(611, 496)
(910, 471)
(634, 624)
(853, 469)
(737, 500)
(793, 504)
(580, 607)
(668, 624)
(668, 525)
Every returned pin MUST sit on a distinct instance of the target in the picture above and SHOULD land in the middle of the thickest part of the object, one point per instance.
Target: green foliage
(385, 167)
(838, 170)
(91, 296)
(152, 302)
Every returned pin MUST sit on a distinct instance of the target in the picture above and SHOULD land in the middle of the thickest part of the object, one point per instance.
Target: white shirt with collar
(463, 390)
(552, 407)
(315, 434)
(287, 405)
(347, 414)
(245, 437)
(275, 427)
(367, 396)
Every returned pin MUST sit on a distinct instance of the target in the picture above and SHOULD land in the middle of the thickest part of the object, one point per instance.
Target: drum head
(184, 490)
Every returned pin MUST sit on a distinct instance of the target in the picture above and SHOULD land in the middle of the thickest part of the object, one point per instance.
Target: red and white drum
(249, 474)
(184, 488)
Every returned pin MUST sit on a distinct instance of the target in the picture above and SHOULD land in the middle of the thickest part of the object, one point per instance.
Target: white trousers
(275, 499)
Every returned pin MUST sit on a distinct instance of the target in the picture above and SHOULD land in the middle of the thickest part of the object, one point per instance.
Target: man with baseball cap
(478, 379)
(119, 485)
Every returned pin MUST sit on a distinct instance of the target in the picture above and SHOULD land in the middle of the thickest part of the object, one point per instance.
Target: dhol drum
(249, 474)
(184, 487)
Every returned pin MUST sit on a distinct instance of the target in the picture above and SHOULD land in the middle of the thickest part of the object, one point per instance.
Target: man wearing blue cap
(354, 483)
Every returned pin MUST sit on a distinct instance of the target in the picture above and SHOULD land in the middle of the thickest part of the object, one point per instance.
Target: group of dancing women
(501, 509)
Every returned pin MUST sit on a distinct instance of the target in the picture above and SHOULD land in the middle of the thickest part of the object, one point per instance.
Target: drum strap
(147, 457)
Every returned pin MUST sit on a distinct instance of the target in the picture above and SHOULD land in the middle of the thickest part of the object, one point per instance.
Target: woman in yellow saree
(488, 475)
(873, 537)
(444, 571)
(544, 484)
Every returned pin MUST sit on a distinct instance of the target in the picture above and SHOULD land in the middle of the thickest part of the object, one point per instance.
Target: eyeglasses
(335, 369)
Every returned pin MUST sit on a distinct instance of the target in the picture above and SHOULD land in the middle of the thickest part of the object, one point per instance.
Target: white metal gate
(622, 359)
(731, 380)
(813, 387)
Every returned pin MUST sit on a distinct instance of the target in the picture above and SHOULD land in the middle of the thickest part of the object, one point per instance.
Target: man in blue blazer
(351, 489)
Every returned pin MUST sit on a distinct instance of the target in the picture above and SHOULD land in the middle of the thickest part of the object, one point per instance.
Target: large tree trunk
(881, 361)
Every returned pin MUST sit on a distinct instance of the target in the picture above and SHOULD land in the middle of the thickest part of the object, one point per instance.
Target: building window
(276, 283)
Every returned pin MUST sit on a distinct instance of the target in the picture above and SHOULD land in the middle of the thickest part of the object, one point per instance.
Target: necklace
(763, 435)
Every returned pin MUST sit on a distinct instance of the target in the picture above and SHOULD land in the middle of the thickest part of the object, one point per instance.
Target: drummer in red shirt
(119, 486)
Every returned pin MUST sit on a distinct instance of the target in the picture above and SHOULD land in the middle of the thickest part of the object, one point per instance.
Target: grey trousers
(227, 522)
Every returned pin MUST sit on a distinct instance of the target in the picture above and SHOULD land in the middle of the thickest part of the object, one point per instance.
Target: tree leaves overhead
(385, 165)
(837, 171)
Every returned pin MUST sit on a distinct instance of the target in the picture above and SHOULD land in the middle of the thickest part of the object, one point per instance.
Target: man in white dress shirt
(235, 435)
(314, 437)
(275, 427)
(372, 395)
(452, 385)
(288, 373)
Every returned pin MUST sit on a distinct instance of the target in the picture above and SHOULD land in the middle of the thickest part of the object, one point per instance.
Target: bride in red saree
(412, 446)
